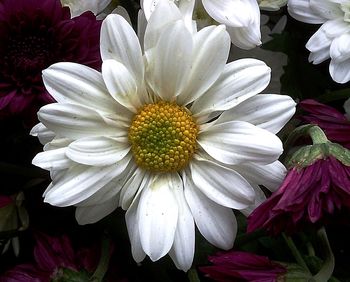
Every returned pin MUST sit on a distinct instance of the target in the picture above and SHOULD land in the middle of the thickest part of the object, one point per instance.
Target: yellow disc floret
(163, 137)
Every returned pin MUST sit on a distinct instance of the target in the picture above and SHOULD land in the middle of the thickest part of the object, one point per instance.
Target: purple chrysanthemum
(242, 266)
(52, 255)
(334, 123)
(35, 34)
(307, 195)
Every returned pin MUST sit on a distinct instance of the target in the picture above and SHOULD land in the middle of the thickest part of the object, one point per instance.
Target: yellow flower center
(163, 137)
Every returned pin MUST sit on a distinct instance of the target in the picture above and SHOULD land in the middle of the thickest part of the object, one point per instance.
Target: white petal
(267, 111)
(318, 41)
(57, 143)
(222, 185)
(210, 53)
(137, 181)
(141, 27)
(121, 85)
(319, 56)
(326, 9)
(216, 223)
(148, 7)
(240, 80)
(98, 151)
(340, 71)
(92, 214)
(55, 159)
(238, 141)
(340, 48)
(80, 182)
(109, 190)
(78, 84)
(43, 133)
(74, 121)
(245, 37)
(182, 251)
(232, 13)
(249, 36)
(157, 215)
(335, 28)
(186, 7)
(301, 11)
(269, 175)
(132, 225)
(169, 62)
(119, 42)
(326, 34)
(166, 13)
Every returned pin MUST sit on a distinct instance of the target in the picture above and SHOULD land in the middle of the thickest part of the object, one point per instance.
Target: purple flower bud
(308, 195)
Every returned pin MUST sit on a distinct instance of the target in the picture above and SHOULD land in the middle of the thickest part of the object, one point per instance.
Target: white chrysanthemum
(77, 7)
(242, 18)
(332, 40)
(173, 135)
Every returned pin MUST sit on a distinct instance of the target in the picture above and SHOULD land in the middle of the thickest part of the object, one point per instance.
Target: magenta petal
(51, 253)
(242, 266)
(334, 123)
(317, 108)
(25, 273)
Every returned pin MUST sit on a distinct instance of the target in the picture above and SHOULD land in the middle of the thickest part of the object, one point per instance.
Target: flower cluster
(170, 129)
(35, 34)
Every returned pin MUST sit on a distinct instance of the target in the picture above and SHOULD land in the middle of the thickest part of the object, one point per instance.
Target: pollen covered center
(163, 137)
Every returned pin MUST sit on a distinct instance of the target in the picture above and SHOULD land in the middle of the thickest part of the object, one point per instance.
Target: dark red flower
(35, 34)
(333, 123)
(242, 266)
(307, 195)
(52, 255)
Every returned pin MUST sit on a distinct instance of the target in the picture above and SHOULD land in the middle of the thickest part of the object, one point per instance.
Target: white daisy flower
(241, 17)
(173, 135)
(332, 40)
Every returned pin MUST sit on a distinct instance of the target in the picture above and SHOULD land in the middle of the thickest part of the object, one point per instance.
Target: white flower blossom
(172, 134)
(332, 40)
(241, 17)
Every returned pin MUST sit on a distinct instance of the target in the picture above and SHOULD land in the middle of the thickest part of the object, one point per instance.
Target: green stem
(103, 263)
(295, 252)
(328, 265)
(294, 136)
(310, 249)
(193, 275)
(317, 135)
